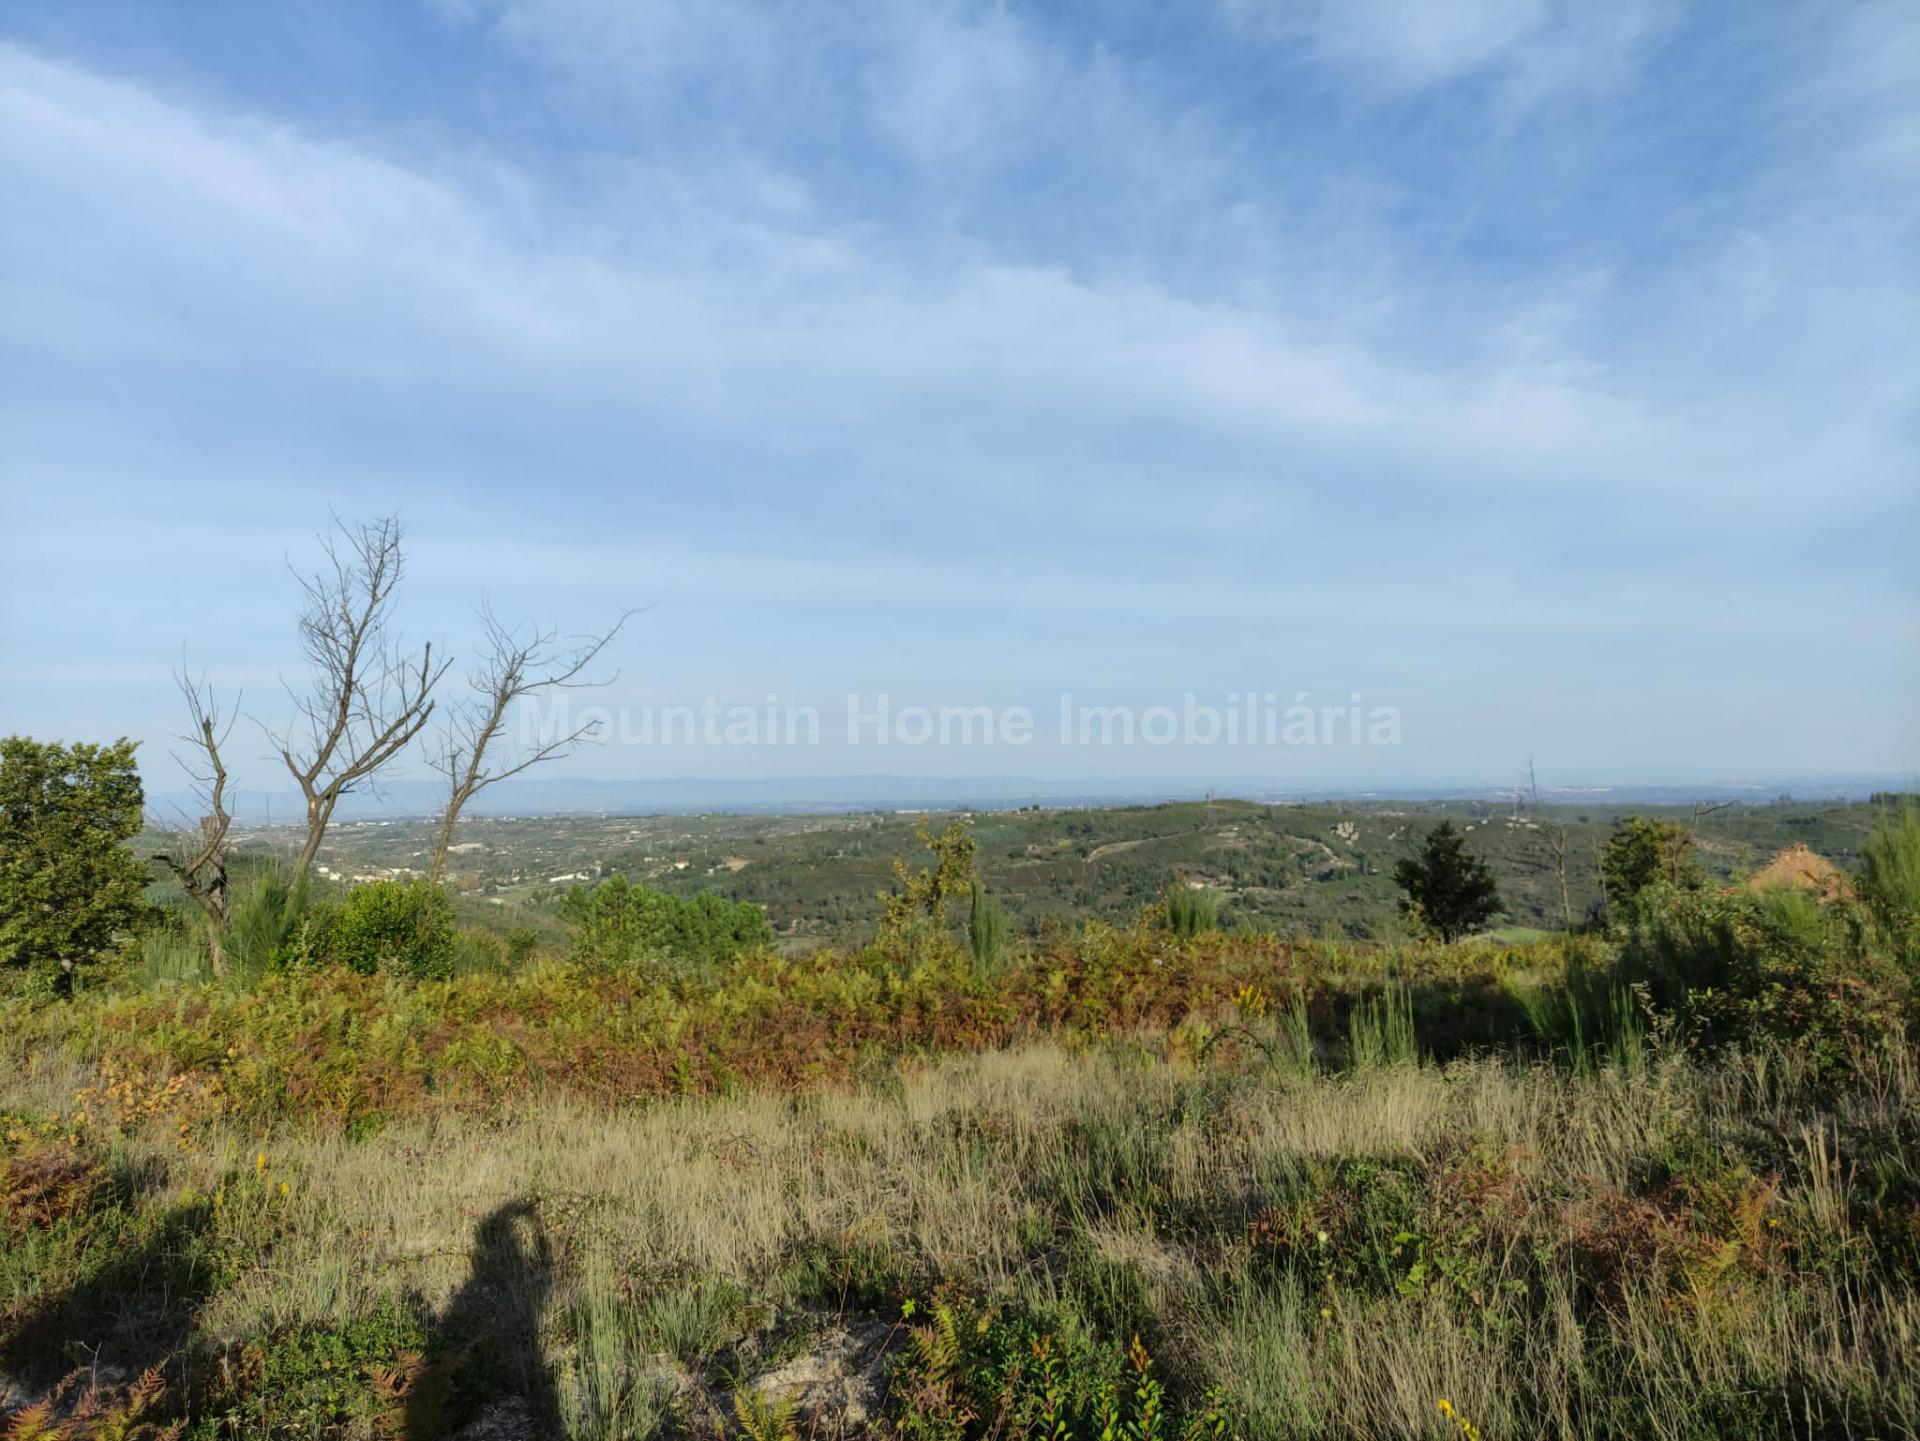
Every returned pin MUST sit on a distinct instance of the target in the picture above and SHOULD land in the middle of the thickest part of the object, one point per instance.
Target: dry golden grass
(989, 1169)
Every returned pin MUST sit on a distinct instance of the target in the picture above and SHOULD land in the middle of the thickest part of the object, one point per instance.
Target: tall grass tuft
(168, 957)
(1191, 912)
(1890, 875)
(1592, 1018)
(986, 932)
(1295, 1039)
(1380, 1029)
(693, 1320)
(619, 1390)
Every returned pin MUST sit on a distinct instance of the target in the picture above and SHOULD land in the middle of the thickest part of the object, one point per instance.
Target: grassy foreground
(1135, 1186)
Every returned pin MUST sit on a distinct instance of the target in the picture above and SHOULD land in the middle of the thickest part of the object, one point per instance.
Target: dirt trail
(1113, 848)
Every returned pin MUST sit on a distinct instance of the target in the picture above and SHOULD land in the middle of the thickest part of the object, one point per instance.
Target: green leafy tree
(1642, 853)
(1448, 886)
(68, 883)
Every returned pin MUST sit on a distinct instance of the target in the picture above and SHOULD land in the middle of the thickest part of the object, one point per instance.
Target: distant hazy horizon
(418, 800)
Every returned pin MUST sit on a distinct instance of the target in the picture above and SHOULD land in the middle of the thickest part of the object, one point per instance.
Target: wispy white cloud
(340, 263)
(1532, 50)
(849, 352)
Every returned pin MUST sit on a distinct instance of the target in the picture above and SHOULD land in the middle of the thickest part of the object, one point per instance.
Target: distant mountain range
(402, 799)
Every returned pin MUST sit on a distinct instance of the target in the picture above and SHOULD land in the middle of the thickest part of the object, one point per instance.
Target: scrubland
(1659, 1183)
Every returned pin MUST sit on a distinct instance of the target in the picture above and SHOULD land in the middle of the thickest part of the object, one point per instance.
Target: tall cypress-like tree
(1452, 889)
(68, 883)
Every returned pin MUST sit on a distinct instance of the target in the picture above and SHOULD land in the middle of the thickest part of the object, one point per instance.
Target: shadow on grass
(485, 1347)
(132, 1311)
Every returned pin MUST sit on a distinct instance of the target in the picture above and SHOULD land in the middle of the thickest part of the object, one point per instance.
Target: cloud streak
(931, 314)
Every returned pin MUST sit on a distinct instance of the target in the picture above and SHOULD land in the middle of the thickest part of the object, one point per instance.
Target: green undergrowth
(356, 1050)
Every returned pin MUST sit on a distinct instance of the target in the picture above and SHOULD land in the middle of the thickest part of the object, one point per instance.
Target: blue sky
(1545, 371)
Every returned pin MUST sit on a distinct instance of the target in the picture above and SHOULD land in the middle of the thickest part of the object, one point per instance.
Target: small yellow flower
(1468, 1431)
(260, 1162)
(283, 1188)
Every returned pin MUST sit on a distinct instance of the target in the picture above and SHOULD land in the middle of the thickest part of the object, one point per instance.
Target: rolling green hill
(1294, 869)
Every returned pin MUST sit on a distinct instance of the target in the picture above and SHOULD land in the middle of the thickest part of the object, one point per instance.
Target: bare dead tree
(1701, 810)
(1555, 835)
(197, 858)
(520, 661)
(369, 696)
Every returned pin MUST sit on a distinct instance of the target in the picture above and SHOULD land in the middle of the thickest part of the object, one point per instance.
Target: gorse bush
(398, 928)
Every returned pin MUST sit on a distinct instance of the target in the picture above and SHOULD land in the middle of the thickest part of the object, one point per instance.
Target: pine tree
(1451, 889)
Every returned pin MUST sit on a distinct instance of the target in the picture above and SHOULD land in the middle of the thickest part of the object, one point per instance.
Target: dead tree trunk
(368, 698)
(1555, 836)
(198, 858)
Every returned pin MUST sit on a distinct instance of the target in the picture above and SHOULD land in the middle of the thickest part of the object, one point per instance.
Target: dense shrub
(395, 928)
(1643, 853)
(617, 923)
(1777, 964)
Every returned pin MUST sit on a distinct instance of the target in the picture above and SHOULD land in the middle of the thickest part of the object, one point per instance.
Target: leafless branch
(519, 661)
(368, 696)
(1681, 853)
(1555, 836)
